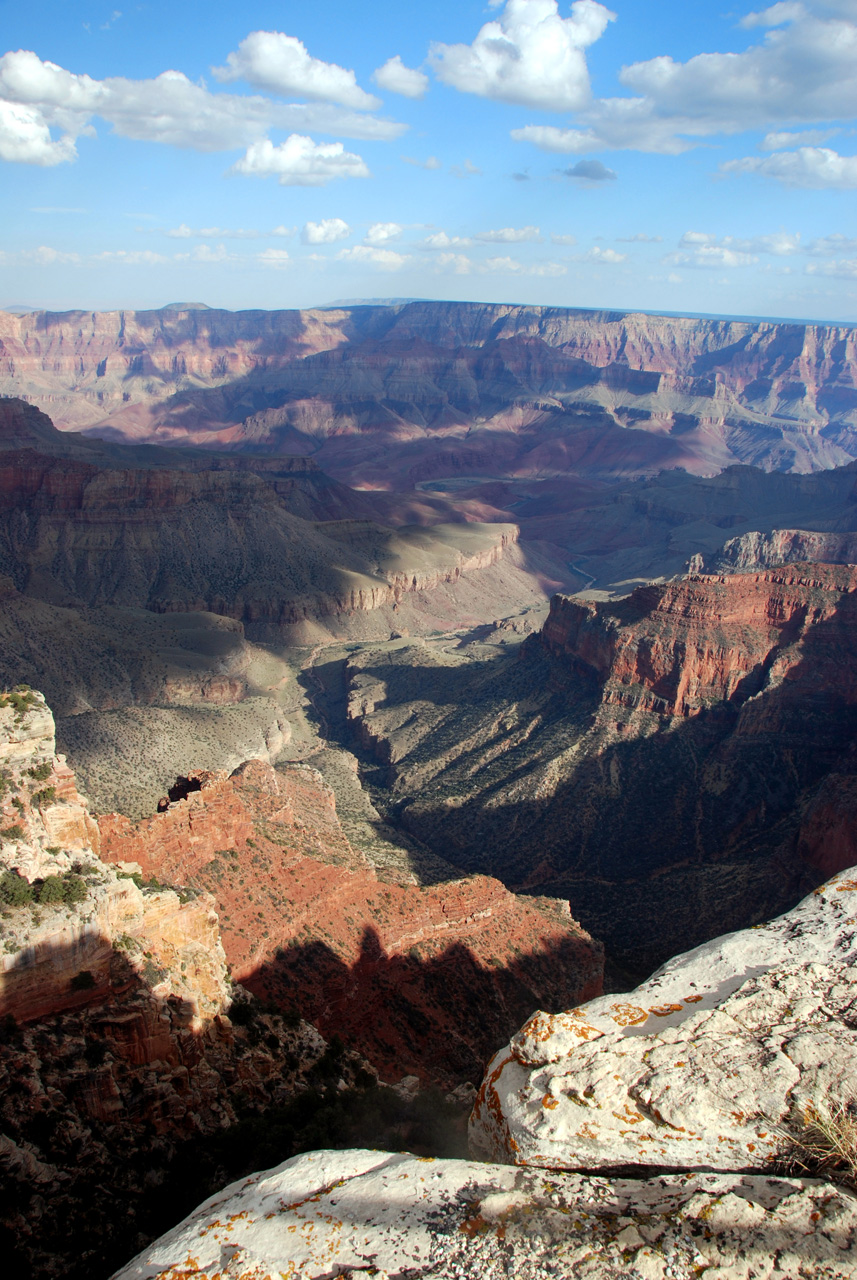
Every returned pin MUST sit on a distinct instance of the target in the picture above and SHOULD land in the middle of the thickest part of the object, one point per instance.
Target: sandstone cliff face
(427, 1218)
(421, 978)
(682, 746)
(753, 551)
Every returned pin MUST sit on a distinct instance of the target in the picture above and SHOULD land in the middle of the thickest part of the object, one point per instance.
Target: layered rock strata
(421, 978)
(354, 1213)
(684, 745)
(710, 1064)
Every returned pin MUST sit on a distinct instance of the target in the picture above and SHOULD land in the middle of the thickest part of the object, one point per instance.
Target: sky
(681, 157)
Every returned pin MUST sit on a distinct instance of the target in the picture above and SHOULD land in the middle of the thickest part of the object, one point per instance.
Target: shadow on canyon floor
(440, 1017)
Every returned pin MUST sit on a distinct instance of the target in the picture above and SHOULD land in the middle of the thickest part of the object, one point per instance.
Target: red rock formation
(684, 646)
(420, 978)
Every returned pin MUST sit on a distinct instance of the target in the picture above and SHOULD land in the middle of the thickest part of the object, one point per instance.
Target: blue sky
(671, 156)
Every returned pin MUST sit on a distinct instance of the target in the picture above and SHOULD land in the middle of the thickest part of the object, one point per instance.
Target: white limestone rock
(371, 1214)
(705, 1065)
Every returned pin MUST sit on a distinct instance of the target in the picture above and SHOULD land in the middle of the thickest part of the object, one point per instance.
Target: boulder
(708, 1064)
(368, 1213)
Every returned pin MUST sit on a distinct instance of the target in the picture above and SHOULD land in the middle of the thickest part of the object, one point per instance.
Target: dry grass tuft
(826, 1144)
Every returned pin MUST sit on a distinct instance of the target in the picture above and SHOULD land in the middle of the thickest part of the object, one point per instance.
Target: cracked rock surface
(368, 1213)
(705, 1065)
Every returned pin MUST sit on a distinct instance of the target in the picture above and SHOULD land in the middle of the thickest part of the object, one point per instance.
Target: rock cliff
(712, 1063)
(421, 978)
(685, 744)
(679, 391)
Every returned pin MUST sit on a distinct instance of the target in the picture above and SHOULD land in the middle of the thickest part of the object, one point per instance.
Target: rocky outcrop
(422, 978)
(354, 1213)
(754, 551)
(683, 647)
(711, 1063)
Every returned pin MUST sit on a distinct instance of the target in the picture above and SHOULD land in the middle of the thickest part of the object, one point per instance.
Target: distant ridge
(185, 306)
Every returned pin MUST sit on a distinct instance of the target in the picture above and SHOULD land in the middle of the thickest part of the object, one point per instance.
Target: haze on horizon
(575, 155)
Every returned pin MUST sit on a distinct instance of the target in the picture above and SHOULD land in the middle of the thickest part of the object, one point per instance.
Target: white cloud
(466, 170)
(781, 141)
(328, 231)
(775, 16)
(279, 63)
(835, 243)
(37, 97)
(547, 137)
(45, 256)
(610, 256)
(712, 255)
(25, 137)
(512, 266)
(457, 264)
(440, 240)
(184, 232)
(395, 77)
(382, 233)
(563, 239)
(277, 258)
(300, 162)
(431, 163)
(131, 257)
(802, 69)
(530, 55)
(509, 235)
(639, 238)
(781, 243)
(384, 259)
(817, 168)
(843, 268)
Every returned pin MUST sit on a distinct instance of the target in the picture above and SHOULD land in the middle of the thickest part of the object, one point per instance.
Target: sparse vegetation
(15, 891)
(825, 1145)
(13, 832)
(40, 772)
(45, 797)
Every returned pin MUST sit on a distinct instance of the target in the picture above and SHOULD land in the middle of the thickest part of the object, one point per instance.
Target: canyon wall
(421, 978)
(682, 755)
(449, 385)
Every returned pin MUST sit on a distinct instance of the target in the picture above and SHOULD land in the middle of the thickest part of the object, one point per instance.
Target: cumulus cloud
(781, 243)
(509, 235)
(817, 168)
(300, 162)
(836, 243)
(382, 233)
(457, 264)
(279, 63)
(699, 249)
(610, 256)
(395, 77)
(564, 239)
(25, 137)
(131, 257)
(639, 238)
(590, 171)
(276, 258)
(782, 140)
(328, 231)
(39, 99)
(384, 259)
(529, 55)
(45, 256)
(513, 267)
(844, 268)
(466, 170)
(184, 232)
(440, 240)
(562, 141)
(431, 163)
(803, 68)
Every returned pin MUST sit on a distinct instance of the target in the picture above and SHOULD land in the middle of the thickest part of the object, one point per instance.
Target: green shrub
(15, 891)
(14, 832)
(51, 890)
(73, 889)
(40, 772)
(46, 796)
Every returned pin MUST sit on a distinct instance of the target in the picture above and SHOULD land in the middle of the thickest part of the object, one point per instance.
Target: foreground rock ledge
(367, 1213)
(705, 1065)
